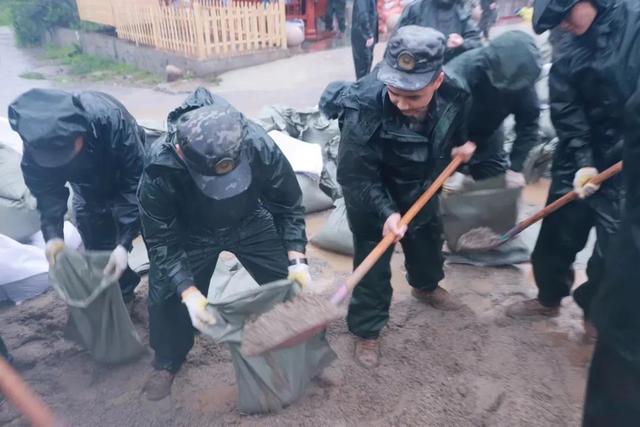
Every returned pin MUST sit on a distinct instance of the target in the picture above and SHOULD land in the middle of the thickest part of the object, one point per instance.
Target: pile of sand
(438, 368)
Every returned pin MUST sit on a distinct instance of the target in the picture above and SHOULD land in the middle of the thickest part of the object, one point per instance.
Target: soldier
(501, 78)
(596, 93)
(397, 129)
(364, 35)
(216, 182)
(92, 142)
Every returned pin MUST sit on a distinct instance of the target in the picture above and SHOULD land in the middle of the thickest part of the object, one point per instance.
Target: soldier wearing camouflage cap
(217, 182)
(398, 130)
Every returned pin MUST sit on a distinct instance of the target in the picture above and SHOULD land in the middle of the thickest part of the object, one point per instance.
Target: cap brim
(52, 157)
(221, 187)
(402, 80)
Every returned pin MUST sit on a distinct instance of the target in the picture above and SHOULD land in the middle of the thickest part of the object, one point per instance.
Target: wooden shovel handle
(557, 204)
(387, 241)
(21, 396)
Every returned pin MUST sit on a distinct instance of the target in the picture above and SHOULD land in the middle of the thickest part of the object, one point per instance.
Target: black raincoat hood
(48, 121)
(512, 61)
(548, 14)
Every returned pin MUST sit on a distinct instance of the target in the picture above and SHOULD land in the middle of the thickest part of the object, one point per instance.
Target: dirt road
(466, 368)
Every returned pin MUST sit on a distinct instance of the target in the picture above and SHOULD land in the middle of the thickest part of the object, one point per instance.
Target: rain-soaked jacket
(607, 61)
(179, 220)
(384, 165)
(447, 20)
(588, 87)
(501, 78)
(103, 176)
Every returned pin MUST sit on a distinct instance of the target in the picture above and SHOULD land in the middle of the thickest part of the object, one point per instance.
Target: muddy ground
(465, 368)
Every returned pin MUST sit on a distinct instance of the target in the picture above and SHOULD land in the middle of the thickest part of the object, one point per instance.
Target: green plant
(5, 12)
(32, 18)
(94, 68)
(33, 75)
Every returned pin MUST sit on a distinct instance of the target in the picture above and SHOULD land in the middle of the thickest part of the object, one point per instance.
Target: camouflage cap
(212, 139)
(413, 58)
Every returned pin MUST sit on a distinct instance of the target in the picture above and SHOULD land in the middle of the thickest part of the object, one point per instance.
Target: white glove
(454, 183)
(581, 184)
(197, 306)
(514, 179)
(117, 264)
(52, 249)
(300, 273)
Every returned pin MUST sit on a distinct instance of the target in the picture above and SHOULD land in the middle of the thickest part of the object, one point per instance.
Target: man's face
(414, 104)
(580, 18)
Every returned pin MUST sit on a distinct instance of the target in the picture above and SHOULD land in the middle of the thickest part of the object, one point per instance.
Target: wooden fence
(212, 29)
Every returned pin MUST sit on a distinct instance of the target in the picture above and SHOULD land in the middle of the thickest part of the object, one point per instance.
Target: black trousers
(565, 233)
(362, 55)
(3, 351)
(259, 249)
(369, 305)
(99, 232)
(337, 8)
(613, 389)
(490, 159)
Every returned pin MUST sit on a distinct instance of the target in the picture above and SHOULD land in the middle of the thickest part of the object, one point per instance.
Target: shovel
(296, 321)
(486, 240)
(23, 398)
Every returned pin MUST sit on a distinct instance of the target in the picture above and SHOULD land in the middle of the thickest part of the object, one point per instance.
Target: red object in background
(309, 11)
(386, 8)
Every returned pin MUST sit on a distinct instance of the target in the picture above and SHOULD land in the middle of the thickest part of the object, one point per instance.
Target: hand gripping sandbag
(275, 379)
(96, 309)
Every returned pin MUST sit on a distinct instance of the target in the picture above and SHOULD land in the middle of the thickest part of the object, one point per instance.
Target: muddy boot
(438, 298)
(590, 331)
(531, 308)
(158, 385)
(367, 352)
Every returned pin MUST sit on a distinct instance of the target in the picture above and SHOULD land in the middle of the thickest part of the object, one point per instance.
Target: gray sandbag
(269, 382)
(283, 118)
(480, 204)
(308, 126)
(510, 253)
(329, 178)
(19, 218)
(335, 235)
(319, 129)
(313, 198)
(229, 278)
(96, 310)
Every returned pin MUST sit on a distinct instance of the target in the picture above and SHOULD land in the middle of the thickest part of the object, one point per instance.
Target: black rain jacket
(455, 19)
(501, 78)
(589, 85)
(384, 165)
(104, 174)
(178, 218)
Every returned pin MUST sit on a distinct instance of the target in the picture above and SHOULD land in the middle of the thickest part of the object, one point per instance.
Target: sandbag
(302, 156)
(486, 203)
(19, 218)
(283, 118)
(329, 177)
(313, 198)
(335, 235)
(319, 130)
(269, 382)
(96, 310)
(228, 279)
